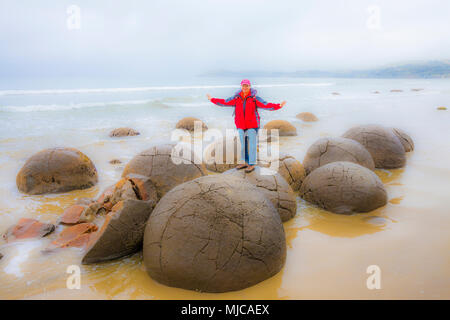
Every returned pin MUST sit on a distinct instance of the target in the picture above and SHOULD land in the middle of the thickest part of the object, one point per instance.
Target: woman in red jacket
(246, 118)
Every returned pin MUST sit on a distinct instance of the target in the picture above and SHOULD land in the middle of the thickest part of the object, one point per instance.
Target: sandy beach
(328, 254)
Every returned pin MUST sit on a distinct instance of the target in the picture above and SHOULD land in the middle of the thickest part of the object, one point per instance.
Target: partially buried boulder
(215, 234)
(123, 132)
(285, 128)
(289, 168)
(164, 169)
(405, 139)
(344, 187)
(274, 187)
(188, 123)
(385, 147)
(28, 228)
(327, 150)
(122, 231)
(307, 117)
(223, 154)
(56, 170)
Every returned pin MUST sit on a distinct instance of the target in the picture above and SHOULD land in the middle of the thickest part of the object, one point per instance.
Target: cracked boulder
(385, 147)
(223, 154)
(214, 234)
(327, 150)
(405, 139)
(164, 169)
(289, 168)
(123, 132)
(274, 187)
(74, 236)
(122, 231)
(28, 228)
(188, 123)
(285, 128)
(344, 187)
(56, 170)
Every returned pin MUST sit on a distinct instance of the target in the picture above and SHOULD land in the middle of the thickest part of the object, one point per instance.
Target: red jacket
(246, 114)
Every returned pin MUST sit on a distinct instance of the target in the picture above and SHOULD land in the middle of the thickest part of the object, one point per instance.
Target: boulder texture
(285, 128)
(290, 169)
(217, 161)
(327, 150)
(164, 170)
(56, 170)
(28, 228)
(214, 234)
(405, 139)
(307, 116)
(121, 233)
(189, 122)
(123, 132)
(344, 187)
(385, 147)
(274, 187)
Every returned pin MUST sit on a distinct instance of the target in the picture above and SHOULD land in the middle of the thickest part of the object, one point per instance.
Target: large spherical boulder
(327, 150)
(289, 168)
(285, 128)
(123, 132)
(223, 154)
(122, 231)
(386, 149)
(344, 187)
(274, 187)
(405, 139)
(214, 234)
(56, 170)
(188, 123)
(166, 166)
(307, 116)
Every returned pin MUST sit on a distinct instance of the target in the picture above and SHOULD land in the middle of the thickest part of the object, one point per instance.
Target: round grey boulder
(214, 234)
(344, 187)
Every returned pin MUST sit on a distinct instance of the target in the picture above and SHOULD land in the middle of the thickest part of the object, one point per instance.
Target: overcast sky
(195, 36)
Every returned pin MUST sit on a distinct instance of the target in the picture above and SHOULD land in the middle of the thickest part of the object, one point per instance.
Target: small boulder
(385, 147)
(115, 161)
(344, 187)
(307, 116)
(441, 108)
(188, 123)
(74, 236)
(123, 132)
(327, 150)
(164, 169)
(274, 187)
(214, 234)
(405, 139)
(56, 170)
(28, 228)
(285, 128)
(122, 231)
(289, 168)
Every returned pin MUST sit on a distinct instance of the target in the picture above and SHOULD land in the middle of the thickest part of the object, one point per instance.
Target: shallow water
(328, 254)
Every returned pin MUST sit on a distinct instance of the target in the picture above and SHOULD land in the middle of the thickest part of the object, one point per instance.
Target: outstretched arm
(230, 102)
(261, 103)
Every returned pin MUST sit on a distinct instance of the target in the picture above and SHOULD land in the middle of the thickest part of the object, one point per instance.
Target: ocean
(328, 254)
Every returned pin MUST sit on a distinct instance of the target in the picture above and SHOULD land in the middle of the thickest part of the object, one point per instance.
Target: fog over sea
(327, 253)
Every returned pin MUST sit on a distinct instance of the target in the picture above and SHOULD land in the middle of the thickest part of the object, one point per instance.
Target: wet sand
(328, 254)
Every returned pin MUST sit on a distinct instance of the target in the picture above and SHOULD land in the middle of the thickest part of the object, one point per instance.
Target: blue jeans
(248, 145)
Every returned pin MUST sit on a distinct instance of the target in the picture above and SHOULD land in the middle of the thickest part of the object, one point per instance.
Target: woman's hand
(209, 97)
(282, 104)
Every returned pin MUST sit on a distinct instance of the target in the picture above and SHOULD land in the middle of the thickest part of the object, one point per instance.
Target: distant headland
(424, 69)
